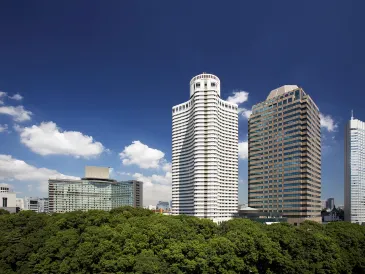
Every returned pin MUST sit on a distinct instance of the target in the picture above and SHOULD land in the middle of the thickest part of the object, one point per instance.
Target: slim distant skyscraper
(205, 153)
(284, 144)
(355, 171)
(330, 204)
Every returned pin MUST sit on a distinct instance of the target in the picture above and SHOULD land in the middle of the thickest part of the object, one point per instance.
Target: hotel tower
(205, 153)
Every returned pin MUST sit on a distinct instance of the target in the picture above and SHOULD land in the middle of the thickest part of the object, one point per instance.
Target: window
(212, 84)
(197, 85)
(5, 202)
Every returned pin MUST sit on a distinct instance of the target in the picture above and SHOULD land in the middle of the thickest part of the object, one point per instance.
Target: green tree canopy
(133, 240)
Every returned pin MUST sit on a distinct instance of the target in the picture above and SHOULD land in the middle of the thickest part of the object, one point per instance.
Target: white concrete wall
(205, 153)
(355, 172)
(11, 196)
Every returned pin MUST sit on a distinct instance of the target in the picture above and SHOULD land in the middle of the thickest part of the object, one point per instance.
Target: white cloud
(14, 169)
(19, 114)
(17, 97)
(2, 94)
(167, 167)
(3, 128)
(155, 188)
(328, 123)
(245, 112)
(243, 150)
(242, 181)
(123, 173)
(238, 97)
(141, 155)
(48, 139)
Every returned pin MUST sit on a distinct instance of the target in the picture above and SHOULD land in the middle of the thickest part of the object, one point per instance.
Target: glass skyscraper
(355, 171)
(284, 148)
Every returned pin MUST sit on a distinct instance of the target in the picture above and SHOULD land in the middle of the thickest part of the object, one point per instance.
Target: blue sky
(98, 80)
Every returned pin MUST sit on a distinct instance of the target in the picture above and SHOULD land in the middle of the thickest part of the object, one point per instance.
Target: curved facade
(205, 153)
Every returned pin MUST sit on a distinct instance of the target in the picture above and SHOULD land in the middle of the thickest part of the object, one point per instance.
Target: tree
(129, 240)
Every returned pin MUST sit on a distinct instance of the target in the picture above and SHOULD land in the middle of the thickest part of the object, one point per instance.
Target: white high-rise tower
(205, 153)
(355, 171)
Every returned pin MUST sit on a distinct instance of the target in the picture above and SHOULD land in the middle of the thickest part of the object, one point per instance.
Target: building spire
(352, 114)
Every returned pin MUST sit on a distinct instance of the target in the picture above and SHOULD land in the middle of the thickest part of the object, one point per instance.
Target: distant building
(324, 204)
(163, 205)
(36, 204)
(95, 191)
(331, 215)
(150, 207)
(330, 203)
(4, 189)
(7, 199)
(20, 203)
(355, 171)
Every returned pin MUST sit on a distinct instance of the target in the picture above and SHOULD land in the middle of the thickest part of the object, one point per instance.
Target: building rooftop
(247, 208)
(281, 90)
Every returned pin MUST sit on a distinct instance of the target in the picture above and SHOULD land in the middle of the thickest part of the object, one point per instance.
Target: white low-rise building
(8, 201)
(20, 203)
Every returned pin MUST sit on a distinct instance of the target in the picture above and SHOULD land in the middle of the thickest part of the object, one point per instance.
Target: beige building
(284, 146)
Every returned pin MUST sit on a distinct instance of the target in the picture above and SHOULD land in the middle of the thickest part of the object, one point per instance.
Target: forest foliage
(129, 240)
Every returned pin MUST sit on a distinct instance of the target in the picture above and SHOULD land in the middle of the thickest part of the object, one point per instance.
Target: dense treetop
(129, 240)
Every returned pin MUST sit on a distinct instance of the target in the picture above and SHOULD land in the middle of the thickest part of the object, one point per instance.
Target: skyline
(115, 72)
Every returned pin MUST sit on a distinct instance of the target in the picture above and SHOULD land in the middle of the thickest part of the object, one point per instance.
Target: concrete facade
(93, 193)
(205, 153)
(8, 201)
(355, 171)
(36, 204)
(97, 172)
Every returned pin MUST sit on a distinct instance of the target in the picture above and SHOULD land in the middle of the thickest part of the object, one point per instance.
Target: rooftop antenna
(352, 114)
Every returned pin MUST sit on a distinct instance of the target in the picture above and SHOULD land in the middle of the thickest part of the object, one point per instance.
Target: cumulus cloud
(48, 139)
(123, 173)
(3, 128)
(167, 167)
(238, 97)
(19, 114)
(2, 95)
(155, 187)
(16, 97)
(328, 122)
(242, 181)
(243, 150)
(141, 155)
(245, 112)
(13, 169)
